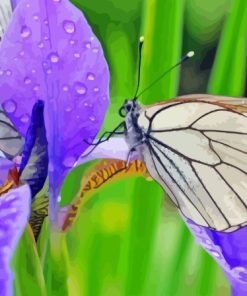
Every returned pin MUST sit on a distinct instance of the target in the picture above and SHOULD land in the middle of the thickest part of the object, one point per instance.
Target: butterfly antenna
(141, 40)
(183, 59)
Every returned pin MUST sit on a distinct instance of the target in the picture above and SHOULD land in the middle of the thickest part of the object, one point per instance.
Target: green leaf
(228, 76)
(27, 269)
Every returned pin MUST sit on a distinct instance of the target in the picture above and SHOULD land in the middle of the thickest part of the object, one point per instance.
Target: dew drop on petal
(8, 72)
(92, 118)
(25, 32)
(36, 87)
(69, 27)
(69, 161)
(46, 38)
(33, 71)
(54, 57)
(24, 118)
(68, 109)
(80, 88)
(65, 88)
(77, 55)
(21, 53)
(9, 106)
(46, 22)
(95, 50)
(90, 76)
(27, 80)
(72, 42)
(48, 71)
(96, 89)
(57, 1)
(88, 45)
(36, 17)
(40, 44)
(1, 72)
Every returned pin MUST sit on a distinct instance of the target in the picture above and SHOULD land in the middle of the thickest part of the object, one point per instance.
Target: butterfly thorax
(133, 132)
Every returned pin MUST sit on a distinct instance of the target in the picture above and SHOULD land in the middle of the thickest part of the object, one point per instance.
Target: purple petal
(228, 249)
(5, 166)
(14, 214)
(114, 148)
(14, 3)
(50, 52)
(34, 165)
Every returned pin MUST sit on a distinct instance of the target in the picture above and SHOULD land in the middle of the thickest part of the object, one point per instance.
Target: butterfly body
(195, 147)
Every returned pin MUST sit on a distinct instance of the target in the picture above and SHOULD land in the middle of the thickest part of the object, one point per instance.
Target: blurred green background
(129, 240)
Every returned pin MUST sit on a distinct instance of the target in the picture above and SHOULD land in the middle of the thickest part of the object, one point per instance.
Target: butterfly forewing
(196, 149)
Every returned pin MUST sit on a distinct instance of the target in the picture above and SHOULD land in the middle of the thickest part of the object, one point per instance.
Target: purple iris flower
(54, 90)
(49, 52)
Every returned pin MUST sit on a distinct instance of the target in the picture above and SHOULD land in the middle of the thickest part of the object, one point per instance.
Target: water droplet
(80, 88)
(57, 1)
(1, 72)
(69, 27)
(92, 118)
(90, 76)
(69, 161)
(27, 80)
(9, 106)
(104, 98)
(65, 88)
(95, 50)
(24, 118)
(72, 42)
(36, 87)
(46, 38)
(240, 273)
(46, 22)
(88, 45)
(68, 109)
(96, 89)
(8, 72)
(25, 32)
(215, 253)
(44, 64)
(48, 71)
(54, 57)
(33, 71)
(40, 44)
(77, 55)
(27, 5)
(21, 53)
(91, 38)
(36, 17)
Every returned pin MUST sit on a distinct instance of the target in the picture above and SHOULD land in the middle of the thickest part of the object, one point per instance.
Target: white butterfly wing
(10, 141)
(197, 151)
(5, 14)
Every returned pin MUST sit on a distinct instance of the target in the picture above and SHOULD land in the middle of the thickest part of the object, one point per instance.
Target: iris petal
(49, 52)
(14, 213)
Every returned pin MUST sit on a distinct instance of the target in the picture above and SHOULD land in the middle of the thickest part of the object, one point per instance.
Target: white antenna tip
(142, 39)
(190, 54)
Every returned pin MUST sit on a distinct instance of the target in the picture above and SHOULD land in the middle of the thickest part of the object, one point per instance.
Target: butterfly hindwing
(197, 151)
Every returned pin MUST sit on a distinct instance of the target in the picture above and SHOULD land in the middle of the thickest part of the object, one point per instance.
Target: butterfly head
(129, 107)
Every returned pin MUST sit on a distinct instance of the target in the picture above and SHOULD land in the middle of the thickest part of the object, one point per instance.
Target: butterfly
(195, 147)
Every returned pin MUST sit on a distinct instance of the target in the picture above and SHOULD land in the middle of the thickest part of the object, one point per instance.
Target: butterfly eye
(122, 111)
(128, 107)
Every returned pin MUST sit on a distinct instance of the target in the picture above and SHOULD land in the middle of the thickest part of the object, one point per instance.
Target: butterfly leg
(132, 150)
(110, 134)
